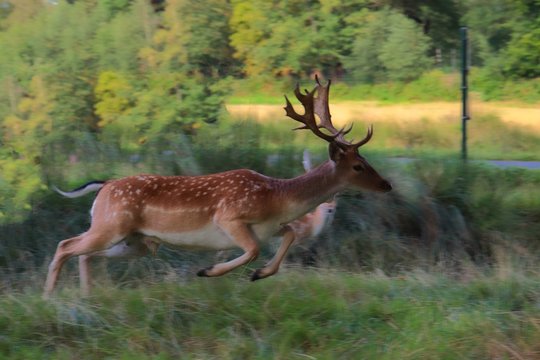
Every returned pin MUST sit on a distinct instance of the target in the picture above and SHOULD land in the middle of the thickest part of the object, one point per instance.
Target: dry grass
(373, 112)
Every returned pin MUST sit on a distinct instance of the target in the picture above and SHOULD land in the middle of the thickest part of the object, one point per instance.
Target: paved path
(532, 165)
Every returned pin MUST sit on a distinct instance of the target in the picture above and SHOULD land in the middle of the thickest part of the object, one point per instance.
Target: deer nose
(385, 186)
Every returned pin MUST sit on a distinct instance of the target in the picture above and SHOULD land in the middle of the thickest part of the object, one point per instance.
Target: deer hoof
(257, 275)
(204, 272)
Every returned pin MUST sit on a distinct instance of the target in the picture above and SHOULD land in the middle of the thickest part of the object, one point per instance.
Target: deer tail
(82, 190)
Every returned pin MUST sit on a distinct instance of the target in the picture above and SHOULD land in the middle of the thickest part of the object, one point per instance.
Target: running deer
(237, 208)
(307, 227)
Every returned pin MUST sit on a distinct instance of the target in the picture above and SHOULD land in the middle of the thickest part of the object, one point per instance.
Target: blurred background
(93, 90)
(104, 89)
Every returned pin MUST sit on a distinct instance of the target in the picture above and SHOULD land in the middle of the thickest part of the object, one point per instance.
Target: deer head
(351, 167)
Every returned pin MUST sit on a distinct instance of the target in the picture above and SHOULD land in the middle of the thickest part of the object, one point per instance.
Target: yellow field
(372, 112)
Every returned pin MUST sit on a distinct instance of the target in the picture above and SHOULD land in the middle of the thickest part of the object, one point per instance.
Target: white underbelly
(210, 237)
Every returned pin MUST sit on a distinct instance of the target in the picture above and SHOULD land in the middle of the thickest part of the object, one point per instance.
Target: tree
(112, 72)
(388, 47)
(363, 62)
(523, 55)
(21, 155)
(438, 19)
(291, 38)
(404, 53)
(505, 36)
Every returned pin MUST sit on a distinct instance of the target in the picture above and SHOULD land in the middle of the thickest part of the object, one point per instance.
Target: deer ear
(335, 152)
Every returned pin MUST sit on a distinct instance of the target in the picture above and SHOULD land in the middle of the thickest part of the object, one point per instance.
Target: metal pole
(464, 89)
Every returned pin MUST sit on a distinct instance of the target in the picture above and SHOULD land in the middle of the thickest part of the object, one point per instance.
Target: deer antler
(319, 106)
(308, 119)
(366, 139)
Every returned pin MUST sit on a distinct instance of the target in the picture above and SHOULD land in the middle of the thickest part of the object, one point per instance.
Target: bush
(492, 85)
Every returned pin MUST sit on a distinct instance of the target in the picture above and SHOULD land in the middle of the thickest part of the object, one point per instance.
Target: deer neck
(307, 191)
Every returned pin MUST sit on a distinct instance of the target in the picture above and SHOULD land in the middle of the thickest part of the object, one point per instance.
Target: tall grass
(409, 135)
(297, 315)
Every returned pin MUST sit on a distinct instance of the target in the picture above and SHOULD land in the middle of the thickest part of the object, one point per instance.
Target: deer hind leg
(272, 267)
(245, 239)
(134, 247)
(76, 246)
(84, 274)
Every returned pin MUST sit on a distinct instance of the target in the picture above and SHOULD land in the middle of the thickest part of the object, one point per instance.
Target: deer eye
(358, 168)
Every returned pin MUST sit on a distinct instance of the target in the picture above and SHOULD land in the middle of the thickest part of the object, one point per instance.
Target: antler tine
(303, 97)
(322, 109)
(290, 112)
(308, 119)
(366, 139)
(345, 131)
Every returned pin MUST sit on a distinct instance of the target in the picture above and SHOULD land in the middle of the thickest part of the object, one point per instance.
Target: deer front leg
(288, 237)
(244, 238)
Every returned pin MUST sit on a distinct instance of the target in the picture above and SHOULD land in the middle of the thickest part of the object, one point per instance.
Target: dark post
(464, 89)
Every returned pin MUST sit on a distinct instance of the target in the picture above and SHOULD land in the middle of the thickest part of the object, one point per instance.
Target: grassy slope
(295, 315)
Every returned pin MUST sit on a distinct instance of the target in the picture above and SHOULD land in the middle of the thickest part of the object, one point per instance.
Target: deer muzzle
(385, 186)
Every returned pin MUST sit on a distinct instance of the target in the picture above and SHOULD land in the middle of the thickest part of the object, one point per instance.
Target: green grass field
(298, 314)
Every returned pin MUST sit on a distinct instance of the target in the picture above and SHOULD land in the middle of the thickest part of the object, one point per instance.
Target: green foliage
(118, 41)
(403, 54)
(523, 55)
(115, 71)
(112, 93)
(363, 60)
(495, 86)
(434, 85)
(430, 86)
(507, 39)
(380, 52)
(20, 160)
(290, 38)
(491, 26)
